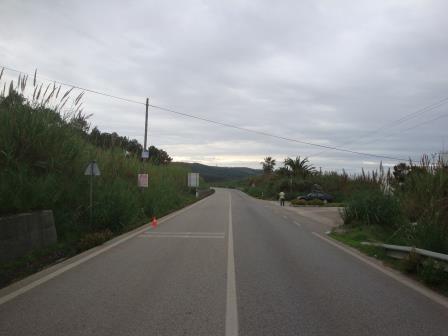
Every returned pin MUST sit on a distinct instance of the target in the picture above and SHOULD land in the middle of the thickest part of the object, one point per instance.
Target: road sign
(92, 169)
(142, 180)
(145, 154)
(193, 180)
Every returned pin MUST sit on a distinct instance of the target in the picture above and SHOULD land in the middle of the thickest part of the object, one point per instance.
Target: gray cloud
(321, 71)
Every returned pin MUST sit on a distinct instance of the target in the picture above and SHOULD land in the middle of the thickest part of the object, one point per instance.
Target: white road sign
(193, 180)
(143, 180)
(92, 169)
(145, 154)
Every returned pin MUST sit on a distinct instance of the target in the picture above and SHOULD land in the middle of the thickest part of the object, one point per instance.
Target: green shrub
(116, 205)
(432, 272)
(93, 239)
(298, 202)
(429, 232)
(412, 262)
(373, 208)
(316, 202)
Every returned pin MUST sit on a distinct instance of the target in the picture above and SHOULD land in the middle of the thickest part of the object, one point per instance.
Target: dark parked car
(317, 195)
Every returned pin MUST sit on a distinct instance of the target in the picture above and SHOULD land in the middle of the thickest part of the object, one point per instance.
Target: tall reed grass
(43, 155)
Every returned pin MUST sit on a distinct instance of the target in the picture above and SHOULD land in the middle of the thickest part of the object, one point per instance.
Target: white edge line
(165, 233)
(231, 327)
(398, 277)
(179, 236)
(63, 269)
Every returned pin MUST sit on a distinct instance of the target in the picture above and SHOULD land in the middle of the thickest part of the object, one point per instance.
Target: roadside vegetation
(44, 151)
(411, 211)
(297, 176)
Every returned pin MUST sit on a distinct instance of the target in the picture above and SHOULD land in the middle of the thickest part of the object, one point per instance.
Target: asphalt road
(272, 275)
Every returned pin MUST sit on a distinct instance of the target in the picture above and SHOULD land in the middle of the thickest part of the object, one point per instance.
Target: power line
(278, 136)
(340, 149)
(397, 122)
(427, 122)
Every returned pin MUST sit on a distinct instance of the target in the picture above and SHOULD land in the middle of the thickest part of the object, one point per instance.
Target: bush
(432, 272)
(302, 202)
(429, 232)
(412, 262)
(91, 240)
(298, 202)
(116, 205)
(373, 208)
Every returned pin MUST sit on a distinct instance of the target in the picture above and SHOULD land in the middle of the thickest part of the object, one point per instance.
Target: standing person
(281, 197)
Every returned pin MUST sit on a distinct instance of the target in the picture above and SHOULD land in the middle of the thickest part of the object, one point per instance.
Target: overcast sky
(327, 72)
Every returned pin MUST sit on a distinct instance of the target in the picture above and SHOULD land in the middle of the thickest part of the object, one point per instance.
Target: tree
(134, 147)
(283, 171)
(268, 165)
(80, 123)
(159, 156)
(298, 167)
(401, 170)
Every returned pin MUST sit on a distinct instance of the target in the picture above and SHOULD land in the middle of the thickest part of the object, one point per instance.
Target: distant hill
(217, 174)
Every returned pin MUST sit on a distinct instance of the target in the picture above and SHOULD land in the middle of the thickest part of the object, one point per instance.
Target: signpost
(145, 154)
(143, 180)
(193, 181)
(92, 170)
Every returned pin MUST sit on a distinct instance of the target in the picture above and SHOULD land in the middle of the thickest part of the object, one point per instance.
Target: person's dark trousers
(282, 202)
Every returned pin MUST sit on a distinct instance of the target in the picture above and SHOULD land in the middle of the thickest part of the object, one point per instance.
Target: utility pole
(146, 125)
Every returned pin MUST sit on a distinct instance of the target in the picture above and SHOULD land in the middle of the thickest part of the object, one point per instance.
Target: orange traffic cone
(154, 222)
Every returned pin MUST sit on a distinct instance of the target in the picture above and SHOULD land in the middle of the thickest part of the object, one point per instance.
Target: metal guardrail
(409, 249)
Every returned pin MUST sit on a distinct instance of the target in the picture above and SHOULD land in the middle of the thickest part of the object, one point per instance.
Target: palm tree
(298, 167)
(268, 165)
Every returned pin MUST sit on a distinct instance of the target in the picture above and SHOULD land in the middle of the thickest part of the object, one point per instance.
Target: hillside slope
(218, 174)
(43, 156)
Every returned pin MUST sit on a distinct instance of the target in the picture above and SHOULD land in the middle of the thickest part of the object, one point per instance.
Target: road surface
(229, 265)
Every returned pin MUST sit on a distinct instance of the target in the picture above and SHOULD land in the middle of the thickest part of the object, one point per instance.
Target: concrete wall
(20, 234)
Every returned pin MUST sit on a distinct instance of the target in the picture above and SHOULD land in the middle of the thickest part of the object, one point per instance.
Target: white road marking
(396, 276)
(165, 233)
(231, 304)
(11, 295)
(285, 217)
(178, 236)
(297, 223)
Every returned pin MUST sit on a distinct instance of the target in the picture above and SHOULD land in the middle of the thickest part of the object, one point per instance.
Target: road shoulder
(392, 273)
